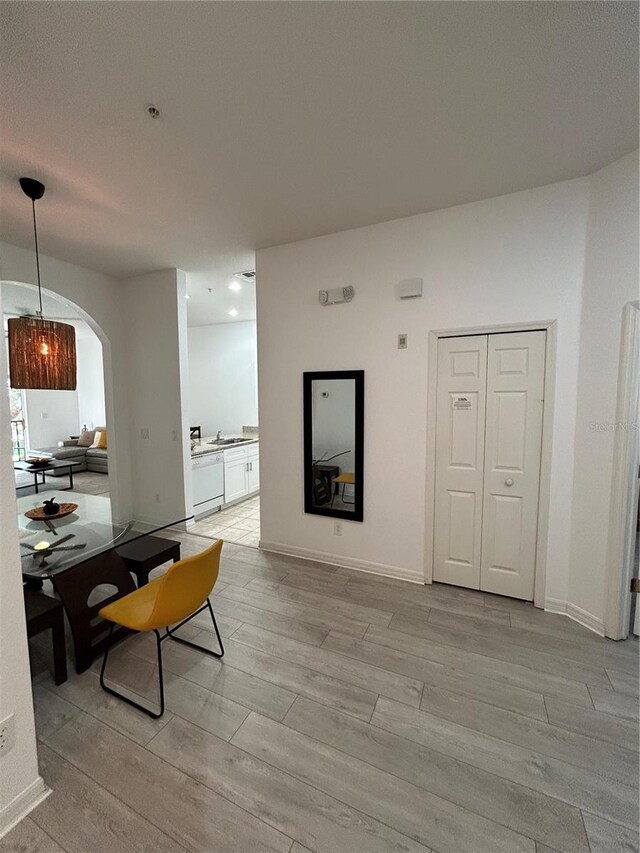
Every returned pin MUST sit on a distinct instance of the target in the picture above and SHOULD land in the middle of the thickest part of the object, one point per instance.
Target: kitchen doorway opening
(223, 407)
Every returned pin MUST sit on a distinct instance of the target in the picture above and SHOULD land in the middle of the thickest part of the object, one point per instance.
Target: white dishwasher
(208, 482)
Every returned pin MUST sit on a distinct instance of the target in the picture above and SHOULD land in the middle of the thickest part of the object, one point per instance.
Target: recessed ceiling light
(187, 296)
(232, 313)
(235, 285)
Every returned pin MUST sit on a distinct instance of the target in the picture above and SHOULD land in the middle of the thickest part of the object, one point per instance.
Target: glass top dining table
(51, 546)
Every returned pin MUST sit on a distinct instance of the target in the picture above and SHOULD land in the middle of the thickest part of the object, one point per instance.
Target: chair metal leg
(154, 714)
(344, 501)
(170, 633)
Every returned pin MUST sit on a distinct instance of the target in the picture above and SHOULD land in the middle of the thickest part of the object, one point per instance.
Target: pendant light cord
(35, 231)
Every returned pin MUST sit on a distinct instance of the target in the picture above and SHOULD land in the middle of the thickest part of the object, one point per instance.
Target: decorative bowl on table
(39, 513)
(38, 461)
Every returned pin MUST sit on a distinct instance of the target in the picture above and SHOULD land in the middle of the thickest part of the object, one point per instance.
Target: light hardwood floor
(350, 713)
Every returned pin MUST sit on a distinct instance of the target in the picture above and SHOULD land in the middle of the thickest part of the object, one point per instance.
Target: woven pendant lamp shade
(42, 354)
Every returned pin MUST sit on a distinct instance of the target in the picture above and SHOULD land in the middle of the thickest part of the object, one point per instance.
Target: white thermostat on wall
(336, 295)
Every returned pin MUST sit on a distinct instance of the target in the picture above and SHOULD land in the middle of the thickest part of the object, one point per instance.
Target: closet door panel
(460, 424)
(513, 440)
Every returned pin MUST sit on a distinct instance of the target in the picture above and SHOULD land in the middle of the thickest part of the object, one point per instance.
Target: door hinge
(635, 584)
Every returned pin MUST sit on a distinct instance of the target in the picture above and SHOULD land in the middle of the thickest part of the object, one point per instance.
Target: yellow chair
(176, 597)
(346, 479)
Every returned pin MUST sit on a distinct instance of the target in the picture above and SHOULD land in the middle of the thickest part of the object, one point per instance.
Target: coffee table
(54, 465)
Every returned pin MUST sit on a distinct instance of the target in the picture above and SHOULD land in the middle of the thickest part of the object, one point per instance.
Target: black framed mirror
(334, 443)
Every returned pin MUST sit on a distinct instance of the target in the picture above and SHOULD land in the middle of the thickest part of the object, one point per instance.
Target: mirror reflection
(333, 443)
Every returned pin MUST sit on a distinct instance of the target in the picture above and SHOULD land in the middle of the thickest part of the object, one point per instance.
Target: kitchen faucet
(219, 435)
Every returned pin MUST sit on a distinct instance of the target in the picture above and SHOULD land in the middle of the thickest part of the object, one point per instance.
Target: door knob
(508, 482)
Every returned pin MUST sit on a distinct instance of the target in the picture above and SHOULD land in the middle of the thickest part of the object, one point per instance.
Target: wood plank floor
(350, 713)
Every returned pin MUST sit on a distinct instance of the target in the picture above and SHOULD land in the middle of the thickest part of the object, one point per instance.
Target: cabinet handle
(508, 482)
(251, 466)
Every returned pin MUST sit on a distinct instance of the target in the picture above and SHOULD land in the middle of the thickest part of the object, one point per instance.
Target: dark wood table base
(112, 568)
(43, 613)
(149, 552)
(75, 585)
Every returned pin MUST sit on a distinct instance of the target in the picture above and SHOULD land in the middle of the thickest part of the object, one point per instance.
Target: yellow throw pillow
(100, 440)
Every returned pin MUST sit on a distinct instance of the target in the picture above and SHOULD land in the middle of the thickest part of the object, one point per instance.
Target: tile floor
(239, 524)
(350, 714)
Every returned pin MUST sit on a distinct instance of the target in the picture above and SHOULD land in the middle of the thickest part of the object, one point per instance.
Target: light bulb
(44, 347)
(41, 546)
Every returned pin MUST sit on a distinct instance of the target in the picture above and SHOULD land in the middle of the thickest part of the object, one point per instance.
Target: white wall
(90, 389)
(51, 416)
(511, 259)
(155, 322)
(20, 783)
(611, 280)
(223, 377)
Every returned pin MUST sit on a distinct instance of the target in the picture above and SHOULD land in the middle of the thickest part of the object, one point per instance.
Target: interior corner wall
(20, 784)
(610, 281)
(91, 410)
(152, 322)
(99, 297)
(222, 377)
(513, 259)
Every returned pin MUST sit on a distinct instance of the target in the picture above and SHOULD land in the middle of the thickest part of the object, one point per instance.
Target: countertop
(202, 444)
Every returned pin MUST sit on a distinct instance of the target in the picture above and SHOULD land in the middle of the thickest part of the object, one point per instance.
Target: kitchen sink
(225, 441)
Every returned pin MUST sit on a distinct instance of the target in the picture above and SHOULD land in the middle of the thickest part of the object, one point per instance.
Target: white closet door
(460, 418)
(515, 391)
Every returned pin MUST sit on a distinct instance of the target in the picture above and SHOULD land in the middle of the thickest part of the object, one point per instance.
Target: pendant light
(42, 353)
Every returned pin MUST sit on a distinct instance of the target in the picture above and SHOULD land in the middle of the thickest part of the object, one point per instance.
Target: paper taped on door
(461, 403)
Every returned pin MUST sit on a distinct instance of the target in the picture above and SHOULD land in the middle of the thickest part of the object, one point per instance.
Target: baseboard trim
(555, 605)
(397, 572)
(593, 623)
(551, 605)
(24, 803)
(572, 611)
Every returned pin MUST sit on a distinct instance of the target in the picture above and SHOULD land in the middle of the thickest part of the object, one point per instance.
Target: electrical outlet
(7, 735)
(337, 528)
(402, 341)
(144, 432)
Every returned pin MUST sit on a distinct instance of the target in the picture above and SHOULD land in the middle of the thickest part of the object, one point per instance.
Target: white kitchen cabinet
(241, 472)
(235, 480)
(253, 474)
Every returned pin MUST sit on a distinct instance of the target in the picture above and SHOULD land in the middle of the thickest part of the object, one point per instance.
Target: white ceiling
(282, 121)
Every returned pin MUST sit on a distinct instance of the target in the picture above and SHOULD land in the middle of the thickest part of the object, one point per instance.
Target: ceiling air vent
(249, 275)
